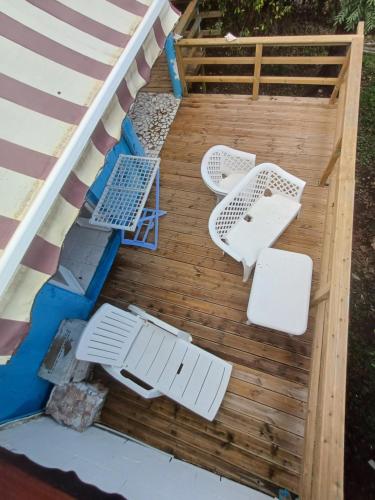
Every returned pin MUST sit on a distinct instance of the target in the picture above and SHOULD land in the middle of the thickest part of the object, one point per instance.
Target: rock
(152, 115)
(76, 405)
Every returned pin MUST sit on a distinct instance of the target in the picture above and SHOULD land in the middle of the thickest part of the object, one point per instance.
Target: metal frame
(148, 222)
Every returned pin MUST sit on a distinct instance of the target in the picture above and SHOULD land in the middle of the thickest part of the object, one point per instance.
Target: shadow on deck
(258, 435)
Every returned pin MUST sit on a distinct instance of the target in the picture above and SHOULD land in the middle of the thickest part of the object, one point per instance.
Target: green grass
(360, 419)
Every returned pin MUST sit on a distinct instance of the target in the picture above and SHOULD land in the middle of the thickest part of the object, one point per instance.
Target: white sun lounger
(255, 213)
(157, 354)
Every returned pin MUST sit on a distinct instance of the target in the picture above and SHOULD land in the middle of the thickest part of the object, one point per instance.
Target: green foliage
(353, 11)
(250, 17)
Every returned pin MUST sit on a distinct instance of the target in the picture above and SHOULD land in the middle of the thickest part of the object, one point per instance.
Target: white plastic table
(280, 294)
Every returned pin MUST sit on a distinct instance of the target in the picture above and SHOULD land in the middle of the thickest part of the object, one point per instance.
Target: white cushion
(269, 218)
(280, 294)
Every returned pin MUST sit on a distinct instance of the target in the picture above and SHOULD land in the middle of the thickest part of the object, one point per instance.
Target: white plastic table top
(269, 217)
(125, 194)
(280, 294)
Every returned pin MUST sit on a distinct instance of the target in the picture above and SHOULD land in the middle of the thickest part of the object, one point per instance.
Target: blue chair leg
(147, 224)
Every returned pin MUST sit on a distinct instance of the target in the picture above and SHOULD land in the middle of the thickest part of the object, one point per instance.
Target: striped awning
(55, 57)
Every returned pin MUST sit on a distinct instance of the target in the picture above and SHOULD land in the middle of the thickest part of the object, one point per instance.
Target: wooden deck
(160, 81)
(258, 435)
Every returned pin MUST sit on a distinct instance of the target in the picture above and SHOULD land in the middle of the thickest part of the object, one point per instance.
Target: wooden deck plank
(160, 81)
(194, 438)
(257, 437)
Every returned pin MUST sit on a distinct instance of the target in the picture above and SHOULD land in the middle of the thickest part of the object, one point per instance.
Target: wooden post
(181, 69)
(361, 28)
(331, 163)
(257, 68)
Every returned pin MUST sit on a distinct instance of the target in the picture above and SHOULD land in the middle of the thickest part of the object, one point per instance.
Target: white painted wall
(117, 464)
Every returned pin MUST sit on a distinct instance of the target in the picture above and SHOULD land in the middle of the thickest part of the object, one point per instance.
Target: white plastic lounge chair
(223, 167)
(255, 213)
(157, 354)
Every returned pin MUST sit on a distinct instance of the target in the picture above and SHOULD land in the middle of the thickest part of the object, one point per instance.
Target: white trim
(29, 226)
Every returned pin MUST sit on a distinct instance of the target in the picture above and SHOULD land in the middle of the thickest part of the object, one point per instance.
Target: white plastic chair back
(221, 162)
(242, 200)
(109, 336)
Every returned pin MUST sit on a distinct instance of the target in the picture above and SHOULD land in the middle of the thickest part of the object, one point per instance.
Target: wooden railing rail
(187, 60)
(295, 60)
(189, 24)
(295, 40)
(323, 461)
(186, 18)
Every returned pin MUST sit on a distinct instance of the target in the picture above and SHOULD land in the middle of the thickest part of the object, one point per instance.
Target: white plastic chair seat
(227, 183)
(255, 213)
(280, 294)
(223, 167)
(262, 225)
(162, 357)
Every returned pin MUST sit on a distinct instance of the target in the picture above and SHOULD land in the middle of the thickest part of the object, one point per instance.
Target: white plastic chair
(154, 358)
(255, 213)
(223, 167)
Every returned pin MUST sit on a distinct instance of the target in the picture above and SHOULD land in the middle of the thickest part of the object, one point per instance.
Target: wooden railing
(190, 27)
(188, 48)
(189, 24)
(323, 466)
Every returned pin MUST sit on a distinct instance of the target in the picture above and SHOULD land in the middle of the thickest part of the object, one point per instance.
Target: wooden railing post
(257, 69)
(331, 163)
(181, 69)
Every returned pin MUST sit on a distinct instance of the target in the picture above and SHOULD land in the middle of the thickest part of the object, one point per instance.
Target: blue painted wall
(22, 392)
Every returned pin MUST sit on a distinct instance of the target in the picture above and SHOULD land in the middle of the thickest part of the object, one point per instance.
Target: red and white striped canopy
(55, 58)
